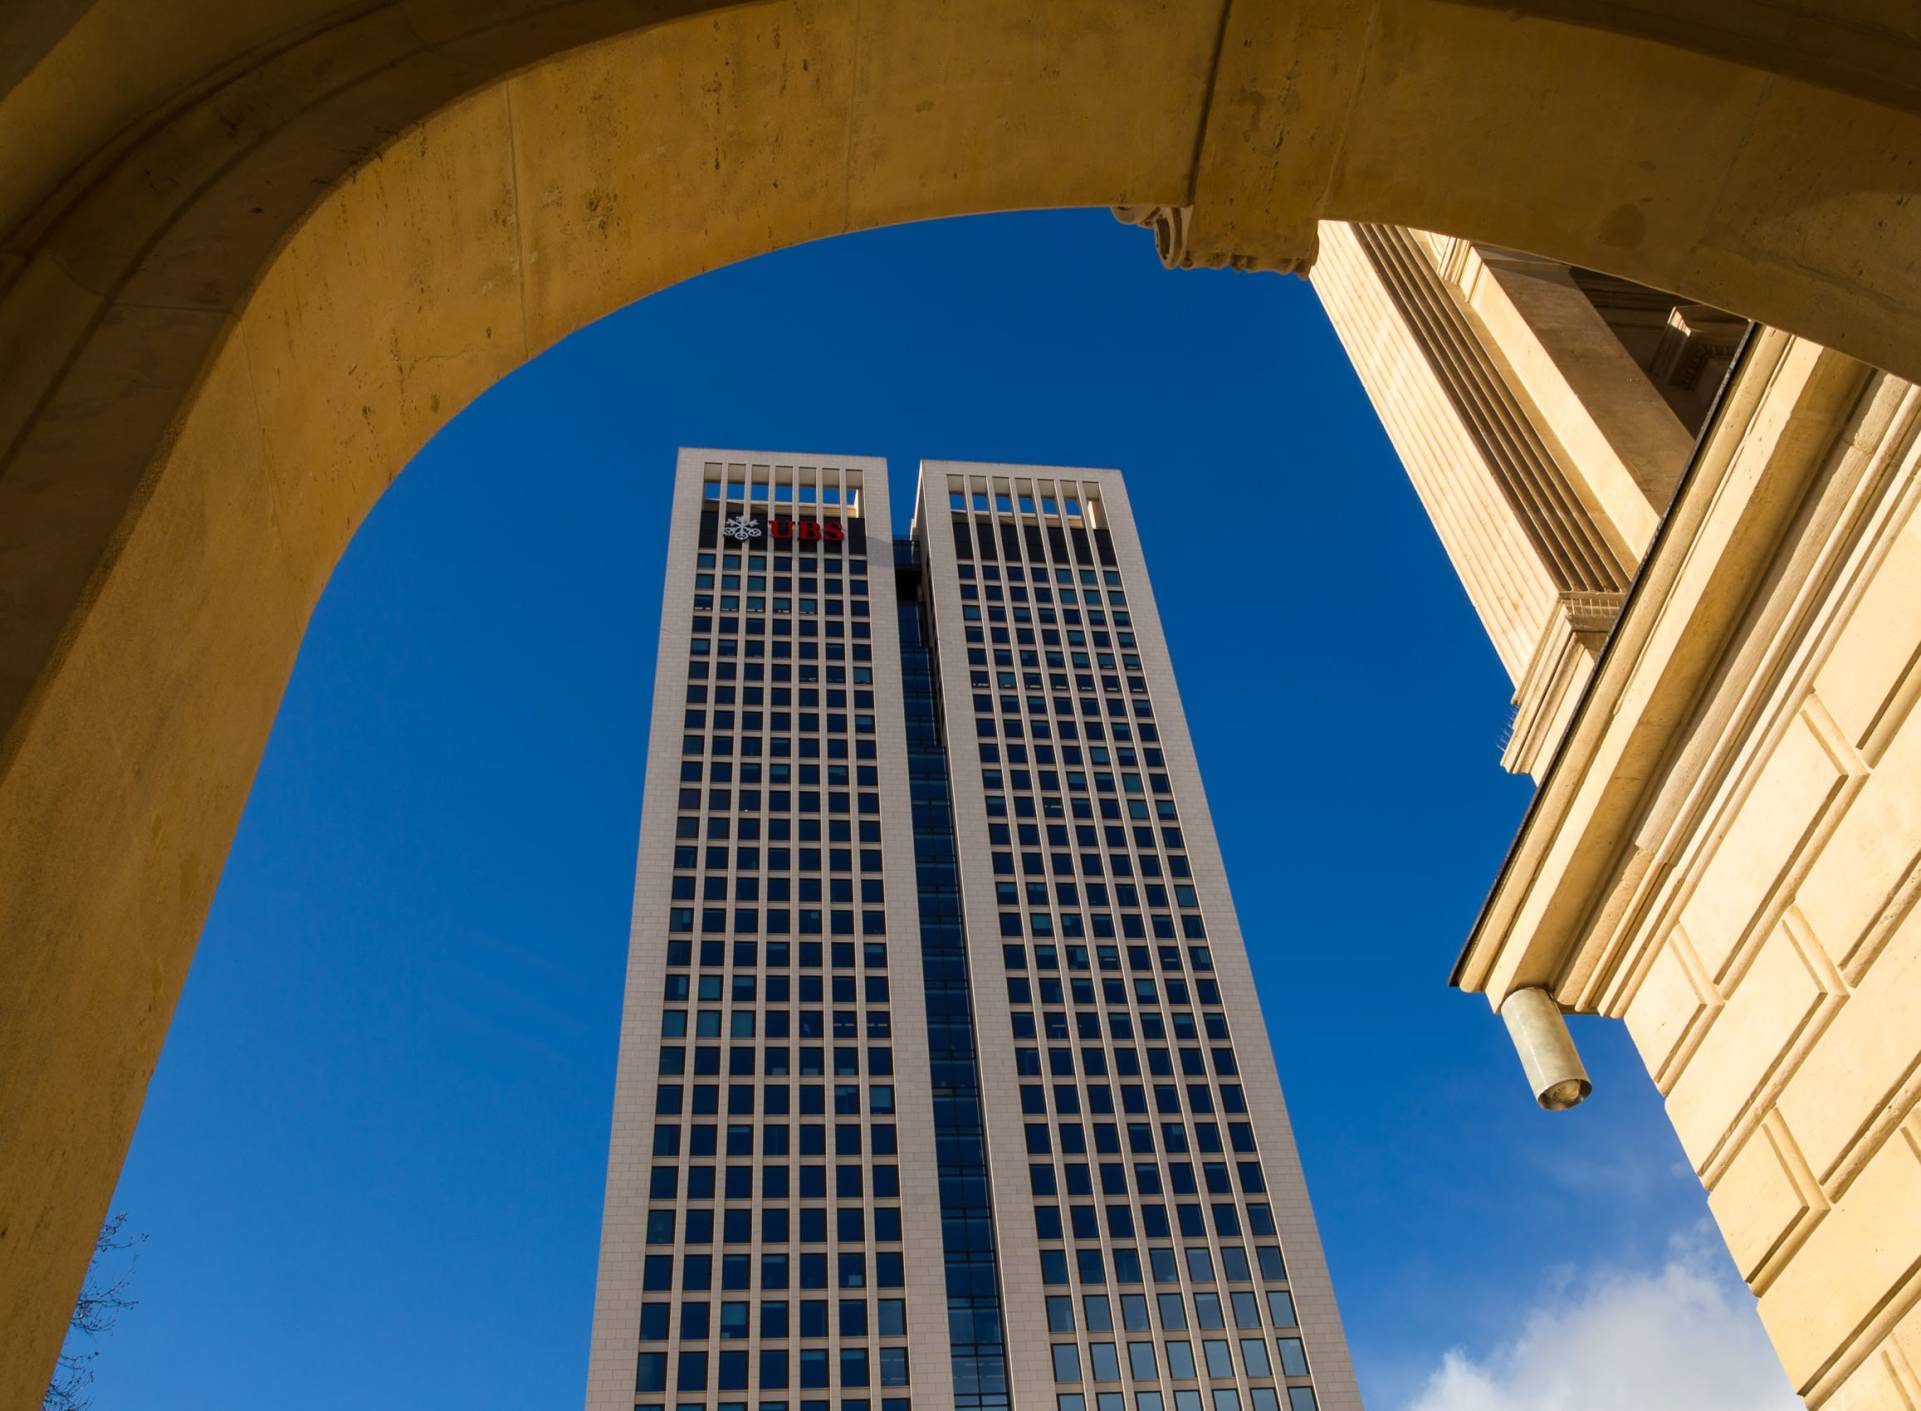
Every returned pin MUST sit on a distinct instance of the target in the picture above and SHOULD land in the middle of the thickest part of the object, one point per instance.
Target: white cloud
(1683, 1337)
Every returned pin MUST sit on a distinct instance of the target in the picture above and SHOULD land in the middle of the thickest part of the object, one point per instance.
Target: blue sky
(370, 1163)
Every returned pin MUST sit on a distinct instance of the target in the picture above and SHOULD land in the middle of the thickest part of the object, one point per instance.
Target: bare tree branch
(103, 1298)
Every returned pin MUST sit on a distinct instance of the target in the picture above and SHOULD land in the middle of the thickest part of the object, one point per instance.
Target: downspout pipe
(1548, 1056)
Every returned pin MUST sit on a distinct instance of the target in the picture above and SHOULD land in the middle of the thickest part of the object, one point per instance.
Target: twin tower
(943, 1083)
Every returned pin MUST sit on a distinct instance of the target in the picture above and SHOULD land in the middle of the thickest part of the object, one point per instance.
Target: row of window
(779, 1061)
(747, 886)
(1047, 616)
(808, 723)
(776, 1184)
(731, 562)
(780, 604)
(780, 921)
(1097, 925)
(850, 1226)
(851, 1318)
(1113, 832)
(809, 1368)
(704, 1100)
(1102, 1362)
(1087, 1020)
(1071, 1138)
(1098, 1098)
(737, 637)
(776, 1064)
(711, 987)
(1049, 506)
(1206, 1313)
(1299, 1398)
(1154, 1223)
(722, 694)
(848, 1270)
(782, 955)
(977, 637)
(738, 1181)
(736, 493)
(850, 1403)
(784, 667)
(722, 826)
(1141, 959)
(1014, 726)
(749, 718)
(1091, 1266)
(776, 747)
(987, 579)
(811, 573)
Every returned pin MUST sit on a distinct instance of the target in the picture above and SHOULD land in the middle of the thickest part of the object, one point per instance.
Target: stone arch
(256, 255)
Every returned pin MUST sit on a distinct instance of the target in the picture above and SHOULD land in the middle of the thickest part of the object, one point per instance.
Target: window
(813, 1367)
(651, 1375)
(1067, 1362)
(692, 1375)
(893, 1366)
(853, 1366)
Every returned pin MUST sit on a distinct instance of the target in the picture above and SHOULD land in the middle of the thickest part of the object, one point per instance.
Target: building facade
(942, 1080)
(1710, 607)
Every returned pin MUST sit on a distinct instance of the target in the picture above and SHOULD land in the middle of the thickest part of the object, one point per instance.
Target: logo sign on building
(746, 528)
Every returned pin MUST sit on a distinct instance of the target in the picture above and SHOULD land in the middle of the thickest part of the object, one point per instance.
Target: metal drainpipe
(1547, 1051)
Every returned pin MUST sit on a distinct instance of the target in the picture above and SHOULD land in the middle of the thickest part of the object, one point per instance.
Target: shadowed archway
(255, 260)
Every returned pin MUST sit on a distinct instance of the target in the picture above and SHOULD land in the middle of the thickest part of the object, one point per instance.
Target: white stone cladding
(1030, 1370)
(615, 1345)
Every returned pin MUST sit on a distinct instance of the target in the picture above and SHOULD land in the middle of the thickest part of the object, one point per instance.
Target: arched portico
(256, 259)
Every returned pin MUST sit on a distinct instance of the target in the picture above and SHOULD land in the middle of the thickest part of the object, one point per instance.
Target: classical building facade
(943, 1083)
(1693, 544)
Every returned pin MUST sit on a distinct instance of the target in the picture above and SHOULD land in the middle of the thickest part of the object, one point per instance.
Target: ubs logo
(808, 531)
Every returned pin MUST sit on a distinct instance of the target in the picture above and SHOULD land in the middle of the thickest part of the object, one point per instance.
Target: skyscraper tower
(942, 1083)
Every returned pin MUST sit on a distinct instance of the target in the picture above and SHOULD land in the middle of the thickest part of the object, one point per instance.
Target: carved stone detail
(1175, 243)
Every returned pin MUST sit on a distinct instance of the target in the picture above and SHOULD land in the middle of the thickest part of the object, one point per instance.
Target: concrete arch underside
(256, 255)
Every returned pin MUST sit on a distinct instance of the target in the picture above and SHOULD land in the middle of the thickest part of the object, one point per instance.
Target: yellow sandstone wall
(1778, 1002)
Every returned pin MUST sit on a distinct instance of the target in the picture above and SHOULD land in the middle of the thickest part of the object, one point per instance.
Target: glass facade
(960, 1134)
(942, 1080)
